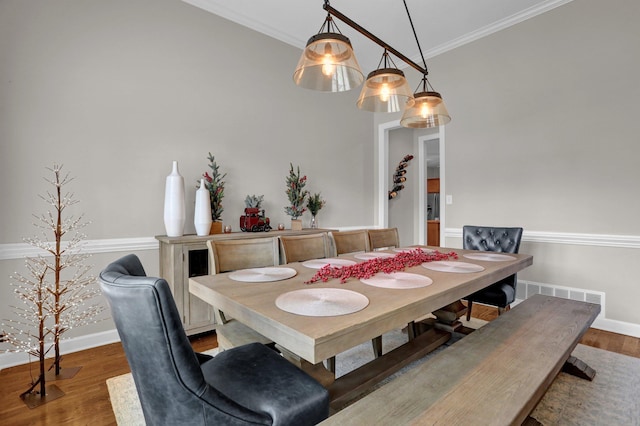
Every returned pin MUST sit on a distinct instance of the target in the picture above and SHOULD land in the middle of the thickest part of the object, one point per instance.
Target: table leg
(317, 371)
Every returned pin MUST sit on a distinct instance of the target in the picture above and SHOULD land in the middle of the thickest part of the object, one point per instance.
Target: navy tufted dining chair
(505, 240)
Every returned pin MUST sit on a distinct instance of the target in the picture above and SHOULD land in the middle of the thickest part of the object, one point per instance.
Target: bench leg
(530, 421)
(577, 367)
(469, 305)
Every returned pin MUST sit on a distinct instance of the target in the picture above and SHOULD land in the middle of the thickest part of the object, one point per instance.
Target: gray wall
(117, 90)
(544, 131)
(544, 135)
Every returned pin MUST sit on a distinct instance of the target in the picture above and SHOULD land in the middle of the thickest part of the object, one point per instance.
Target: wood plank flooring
(86, 399)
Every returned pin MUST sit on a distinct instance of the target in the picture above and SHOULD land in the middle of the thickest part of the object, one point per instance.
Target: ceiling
(441, 25)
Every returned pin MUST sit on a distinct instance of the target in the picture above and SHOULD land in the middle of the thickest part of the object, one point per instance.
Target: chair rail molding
(22, 250)
(602, 240)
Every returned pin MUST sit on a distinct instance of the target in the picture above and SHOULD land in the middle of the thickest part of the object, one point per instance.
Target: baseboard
(111, 336)
(67, 346)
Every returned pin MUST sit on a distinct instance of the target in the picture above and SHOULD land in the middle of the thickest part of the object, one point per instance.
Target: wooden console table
(184, 257)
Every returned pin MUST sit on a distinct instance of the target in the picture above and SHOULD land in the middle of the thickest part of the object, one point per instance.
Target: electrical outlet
(449, 199)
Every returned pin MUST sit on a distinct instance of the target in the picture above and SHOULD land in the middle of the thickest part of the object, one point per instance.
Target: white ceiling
(441, 25)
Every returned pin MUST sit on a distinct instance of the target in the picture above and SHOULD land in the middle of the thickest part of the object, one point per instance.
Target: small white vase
(202, 217)
(174, 210)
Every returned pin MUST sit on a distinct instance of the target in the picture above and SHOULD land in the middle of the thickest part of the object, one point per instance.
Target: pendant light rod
(332, 11)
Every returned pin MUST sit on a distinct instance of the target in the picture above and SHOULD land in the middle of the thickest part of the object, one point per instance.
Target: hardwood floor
(86, 399)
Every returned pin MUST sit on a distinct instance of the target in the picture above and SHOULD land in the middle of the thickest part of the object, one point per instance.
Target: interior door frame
(420, 218)
(381, 186)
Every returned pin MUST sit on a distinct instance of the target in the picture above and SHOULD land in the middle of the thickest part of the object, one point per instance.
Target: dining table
(312, 320)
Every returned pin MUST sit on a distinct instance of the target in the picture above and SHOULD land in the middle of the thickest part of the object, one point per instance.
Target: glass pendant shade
(386, 90)
(428, 110)
(328, 64)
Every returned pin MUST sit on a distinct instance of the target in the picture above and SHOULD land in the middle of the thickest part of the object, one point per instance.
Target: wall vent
(526, 289)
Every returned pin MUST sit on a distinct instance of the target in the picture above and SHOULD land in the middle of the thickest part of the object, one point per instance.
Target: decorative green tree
(296, 193)
(57, 288)
(253, 201)
(215, 185)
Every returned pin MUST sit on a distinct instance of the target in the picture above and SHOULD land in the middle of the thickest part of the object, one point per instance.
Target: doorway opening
(423, 141)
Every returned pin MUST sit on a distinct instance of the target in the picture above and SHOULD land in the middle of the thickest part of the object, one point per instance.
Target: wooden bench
(494, 376)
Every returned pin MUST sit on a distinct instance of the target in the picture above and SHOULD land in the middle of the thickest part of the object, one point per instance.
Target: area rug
(124, 398)
(612, 398)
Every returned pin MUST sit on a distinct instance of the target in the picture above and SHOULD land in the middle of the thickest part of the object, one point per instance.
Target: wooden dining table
(312, 339)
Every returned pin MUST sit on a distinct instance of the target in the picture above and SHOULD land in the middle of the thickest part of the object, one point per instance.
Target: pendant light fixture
(329, 64)
(386, 89)
(428, 109)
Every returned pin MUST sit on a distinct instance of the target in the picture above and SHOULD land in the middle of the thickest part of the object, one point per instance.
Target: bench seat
(494, 376)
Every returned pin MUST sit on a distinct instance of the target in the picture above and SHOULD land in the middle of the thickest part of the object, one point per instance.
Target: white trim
(492, 28)
(620, 327)
(67, 346)
(420, 216)
(381, 189)
(219, 8)
(600, 240)
(111, 336)
(22, 250)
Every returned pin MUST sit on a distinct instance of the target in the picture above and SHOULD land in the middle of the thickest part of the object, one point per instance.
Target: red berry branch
(381, 264)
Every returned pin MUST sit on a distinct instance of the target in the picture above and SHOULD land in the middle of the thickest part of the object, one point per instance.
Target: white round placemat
(491, 257)
(408, 249)
(322, 302)
(261, 275)
(400, 280)
(372, 255)
(450, 266)
(319, 263)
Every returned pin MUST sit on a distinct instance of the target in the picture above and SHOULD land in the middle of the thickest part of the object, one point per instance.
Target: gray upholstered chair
(249, 384)
(485, 238)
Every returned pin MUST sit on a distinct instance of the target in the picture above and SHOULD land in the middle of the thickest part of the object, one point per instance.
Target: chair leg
(469, 305)
(502, 310)
(376, 342)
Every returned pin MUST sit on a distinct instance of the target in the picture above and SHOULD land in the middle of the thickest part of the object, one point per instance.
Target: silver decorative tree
(57, 285)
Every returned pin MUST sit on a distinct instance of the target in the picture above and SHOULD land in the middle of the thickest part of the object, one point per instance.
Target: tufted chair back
(496, 239)
(506, 240)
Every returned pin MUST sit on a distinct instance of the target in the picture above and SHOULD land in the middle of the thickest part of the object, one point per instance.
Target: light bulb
(327, 61)
(385, 92)
(327, 66)
(424, 110)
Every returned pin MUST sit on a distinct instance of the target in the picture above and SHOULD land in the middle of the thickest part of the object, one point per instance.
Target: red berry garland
(387, 265)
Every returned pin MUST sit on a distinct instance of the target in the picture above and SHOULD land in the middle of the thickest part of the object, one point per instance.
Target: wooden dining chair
(350, 241)
(384, 238)
(231, 255)
(298, 248)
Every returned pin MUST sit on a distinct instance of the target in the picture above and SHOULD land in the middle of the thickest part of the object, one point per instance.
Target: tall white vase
(174, 215)
(202, 217)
